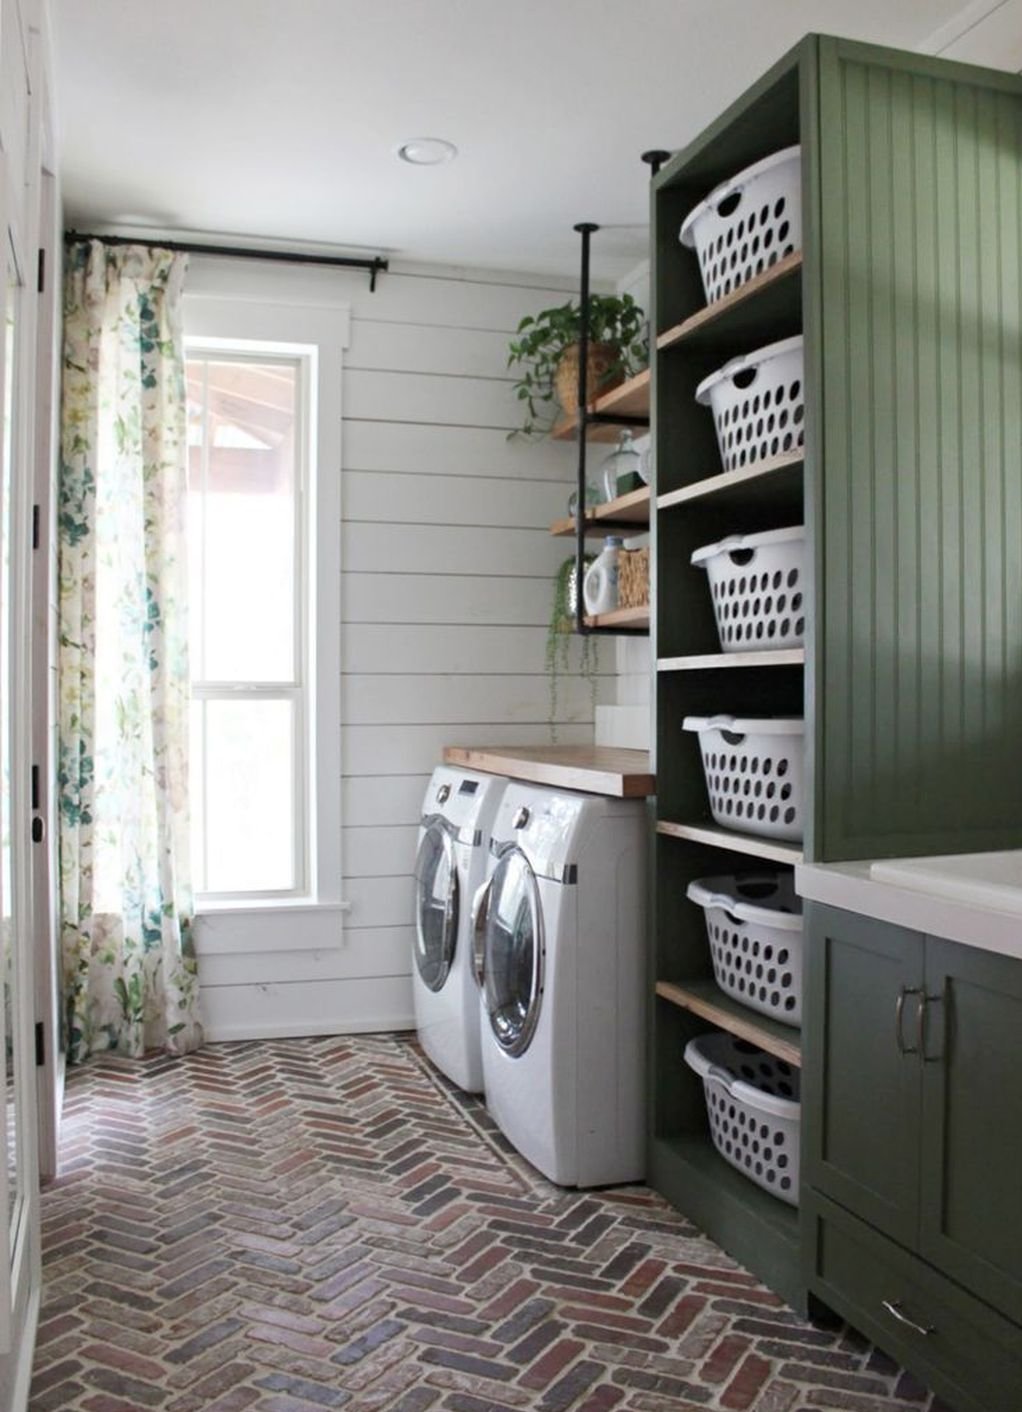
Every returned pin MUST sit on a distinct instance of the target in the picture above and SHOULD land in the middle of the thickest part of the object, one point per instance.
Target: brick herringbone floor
(306, 1224)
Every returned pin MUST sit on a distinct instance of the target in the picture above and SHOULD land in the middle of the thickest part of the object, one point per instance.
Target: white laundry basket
(748, 223)
(757, 583)
(753, 769)
(758, 404)
(754, 926)
(752, 1100)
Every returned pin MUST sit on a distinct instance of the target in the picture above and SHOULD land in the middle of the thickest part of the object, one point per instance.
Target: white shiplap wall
(447, 569)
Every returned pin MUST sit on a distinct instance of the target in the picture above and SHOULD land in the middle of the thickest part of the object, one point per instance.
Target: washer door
(513, 953)
(436, 905)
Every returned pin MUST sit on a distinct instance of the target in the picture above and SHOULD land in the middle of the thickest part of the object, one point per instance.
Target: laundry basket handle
(745, 377)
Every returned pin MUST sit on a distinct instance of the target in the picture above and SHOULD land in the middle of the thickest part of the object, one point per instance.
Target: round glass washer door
(436, 905)
(513, 953)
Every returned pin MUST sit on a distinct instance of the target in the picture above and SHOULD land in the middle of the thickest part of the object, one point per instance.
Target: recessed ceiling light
(427, 151)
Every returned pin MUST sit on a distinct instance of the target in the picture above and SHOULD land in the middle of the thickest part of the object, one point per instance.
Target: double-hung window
(264, 424)
(248, 474)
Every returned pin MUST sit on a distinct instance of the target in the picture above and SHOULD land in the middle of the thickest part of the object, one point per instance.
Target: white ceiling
(280, 118)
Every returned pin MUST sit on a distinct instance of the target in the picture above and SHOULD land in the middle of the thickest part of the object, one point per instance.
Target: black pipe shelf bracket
(587, 418)
(374, 264)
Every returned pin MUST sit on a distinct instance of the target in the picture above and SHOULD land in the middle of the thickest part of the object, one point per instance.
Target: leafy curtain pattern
(129, 972)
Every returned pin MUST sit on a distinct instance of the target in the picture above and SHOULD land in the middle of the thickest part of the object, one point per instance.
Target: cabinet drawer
(971, 1355)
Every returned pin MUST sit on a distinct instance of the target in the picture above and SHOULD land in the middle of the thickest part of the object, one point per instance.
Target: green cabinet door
(861, 1084)
(971, 1180)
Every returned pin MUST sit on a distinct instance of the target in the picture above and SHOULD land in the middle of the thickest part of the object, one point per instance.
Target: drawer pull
(899, 1015)
(894, 1309)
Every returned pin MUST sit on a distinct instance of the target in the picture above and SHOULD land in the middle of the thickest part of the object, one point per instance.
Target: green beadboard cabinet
(908, 292)
(912, 1149)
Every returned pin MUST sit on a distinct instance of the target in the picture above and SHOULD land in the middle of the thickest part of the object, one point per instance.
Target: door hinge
(35, 786)
(40, 1044)
(41, 272)
(38, 830)
(35, 526)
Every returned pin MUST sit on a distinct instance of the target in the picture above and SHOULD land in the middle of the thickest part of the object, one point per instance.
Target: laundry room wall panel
(452, 648)
(265, 1010)
(425, 398)
(464, 549)
(396, 699)
(446, 569)
(385, 497)
(423, 348)
(414, 600)
(460, 451)
(366, 952)
(379, 801)
(372, 852)
(375, 752)
(381, 901)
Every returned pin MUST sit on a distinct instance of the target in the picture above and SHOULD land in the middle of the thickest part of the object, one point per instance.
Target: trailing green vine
(560, 634)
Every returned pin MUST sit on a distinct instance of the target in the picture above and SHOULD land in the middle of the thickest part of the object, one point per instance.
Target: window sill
(217, 907)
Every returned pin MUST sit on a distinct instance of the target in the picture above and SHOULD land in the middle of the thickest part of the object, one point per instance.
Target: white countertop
(972, 898)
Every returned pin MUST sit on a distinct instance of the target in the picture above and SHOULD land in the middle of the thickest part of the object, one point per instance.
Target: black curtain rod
(374, 264)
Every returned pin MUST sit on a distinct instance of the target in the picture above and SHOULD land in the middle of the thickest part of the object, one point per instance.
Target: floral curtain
(129, 972)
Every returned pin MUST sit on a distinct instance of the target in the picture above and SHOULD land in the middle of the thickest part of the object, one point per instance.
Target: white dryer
(457, 817)
(559, 936)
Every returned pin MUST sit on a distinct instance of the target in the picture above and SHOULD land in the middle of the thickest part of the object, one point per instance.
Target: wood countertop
(595, 769)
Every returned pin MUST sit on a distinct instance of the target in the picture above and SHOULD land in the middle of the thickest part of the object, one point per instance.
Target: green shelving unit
(908, 293)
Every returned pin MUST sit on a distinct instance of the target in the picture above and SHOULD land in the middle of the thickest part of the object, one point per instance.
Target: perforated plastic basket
(753, 770)
(754, 926)
(757, 582)
(747, 223)
(758, 404)
(752, 1100)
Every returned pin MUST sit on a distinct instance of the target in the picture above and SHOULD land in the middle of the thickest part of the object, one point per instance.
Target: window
(264, 440)
(248, 468)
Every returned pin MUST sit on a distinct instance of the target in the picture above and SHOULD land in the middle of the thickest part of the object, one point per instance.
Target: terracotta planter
(602, 357)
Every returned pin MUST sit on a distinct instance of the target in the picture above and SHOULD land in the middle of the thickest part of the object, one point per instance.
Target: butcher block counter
(594, 769)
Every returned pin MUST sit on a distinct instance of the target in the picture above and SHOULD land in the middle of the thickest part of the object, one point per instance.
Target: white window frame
(320, 332)
(299, 690)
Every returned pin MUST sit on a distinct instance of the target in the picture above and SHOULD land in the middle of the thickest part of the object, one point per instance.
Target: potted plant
(546, 350)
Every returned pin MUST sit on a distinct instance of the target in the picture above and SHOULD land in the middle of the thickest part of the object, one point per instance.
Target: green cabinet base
(754, 1228)
(954, 1343)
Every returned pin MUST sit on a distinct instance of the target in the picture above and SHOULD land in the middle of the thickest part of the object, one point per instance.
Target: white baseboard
(283, 1010)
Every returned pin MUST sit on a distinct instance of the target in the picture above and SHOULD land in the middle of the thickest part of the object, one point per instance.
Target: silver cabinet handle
(894, 1309)
(899, 1015)
(480, 918)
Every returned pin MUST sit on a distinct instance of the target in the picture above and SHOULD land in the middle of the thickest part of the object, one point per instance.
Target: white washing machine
(559, 936)
(457, 817)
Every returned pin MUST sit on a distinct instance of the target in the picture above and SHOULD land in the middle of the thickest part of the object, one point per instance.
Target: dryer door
(513, 957)
(436, 904)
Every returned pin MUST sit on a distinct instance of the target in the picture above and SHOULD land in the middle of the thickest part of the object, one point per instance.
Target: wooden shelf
(623, 619)
(753, 308)
(779, 657)
(734, 842)
(594, 769)
(628, 399)
(629, 511)
(779, 477)
(706, 999)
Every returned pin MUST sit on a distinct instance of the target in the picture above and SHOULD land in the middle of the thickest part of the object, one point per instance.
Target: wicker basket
(633, 578)
(601, 357)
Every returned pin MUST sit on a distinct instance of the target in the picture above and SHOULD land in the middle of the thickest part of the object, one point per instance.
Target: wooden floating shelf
(779, 657)
(705, 999)
(765, 475)
(629, 511)
(734, 842)
(633, 619)
(628, 399)
(734, 306)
